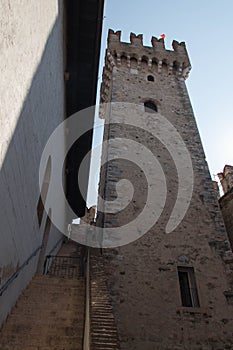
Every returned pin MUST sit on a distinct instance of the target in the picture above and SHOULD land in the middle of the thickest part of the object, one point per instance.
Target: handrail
(50, 255)
(86, 335)
(63, 256)
(15, 275)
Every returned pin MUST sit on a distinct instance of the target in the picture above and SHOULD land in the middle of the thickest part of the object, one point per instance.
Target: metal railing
(15, 275)
(66, 266)
(62, 266)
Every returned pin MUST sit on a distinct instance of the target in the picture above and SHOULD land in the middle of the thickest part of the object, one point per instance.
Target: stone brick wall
(226, 201)
(226, 178)
(142, 276)
(32, 105)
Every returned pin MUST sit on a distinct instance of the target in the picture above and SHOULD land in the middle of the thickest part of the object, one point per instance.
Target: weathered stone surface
(146, 297)
(226, 178)
(226, 201)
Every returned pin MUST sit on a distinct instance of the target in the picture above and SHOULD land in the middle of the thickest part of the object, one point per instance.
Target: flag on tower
(162, 36)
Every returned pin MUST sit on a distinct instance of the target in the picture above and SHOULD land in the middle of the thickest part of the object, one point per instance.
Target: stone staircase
(49, 314)
(103, 333)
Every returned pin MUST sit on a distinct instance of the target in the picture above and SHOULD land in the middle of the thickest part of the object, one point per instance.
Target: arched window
(123, 60)
(154, 64)
(144, 62)
(164, 64)
(175, 67)
(133, 63)
(150, 107)
(150, 78)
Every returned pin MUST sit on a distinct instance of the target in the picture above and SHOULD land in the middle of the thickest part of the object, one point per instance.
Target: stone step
(52, 313)
(46, 279)
(50, 294)
(19, 347)
(101, 325)
(51, 328)
(105, 345)
(104, 331)
(34, 302)
(48, 319)
(59, 286)
(67, 343)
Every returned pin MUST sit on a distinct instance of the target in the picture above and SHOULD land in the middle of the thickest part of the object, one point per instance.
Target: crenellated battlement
(176, 61)
(137, 58)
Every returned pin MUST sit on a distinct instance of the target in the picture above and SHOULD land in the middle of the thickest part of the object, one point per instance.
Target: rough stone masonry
(172, 290)
(226, 201)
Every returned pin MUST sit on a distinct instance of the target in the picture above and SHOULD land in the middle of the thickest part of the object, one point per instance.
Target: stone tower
(226, 178)
(171, 286)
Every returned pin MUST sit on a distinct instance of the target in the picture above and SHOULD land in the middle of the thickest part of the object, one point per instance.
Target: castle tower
(171, 286)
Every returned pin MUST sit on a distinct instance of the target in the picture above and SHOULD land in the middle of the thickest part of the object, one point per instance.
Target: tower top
(226, 178)
(177, 57)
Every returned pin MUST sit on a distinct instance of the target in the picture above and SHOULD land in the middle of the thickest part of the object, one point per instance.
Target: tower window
(188, 288)
(123, 60)
(133, 63)
(144, 63)
(150, 78)
(150, 107)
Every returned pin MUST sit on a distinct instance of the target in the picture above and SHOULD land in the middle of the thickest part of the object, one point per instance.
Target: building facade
(49, 66)
(170, 289)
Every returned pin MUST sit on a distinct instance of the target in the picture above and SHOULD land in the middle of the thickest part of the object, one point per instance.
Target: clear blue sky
(207, 28)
